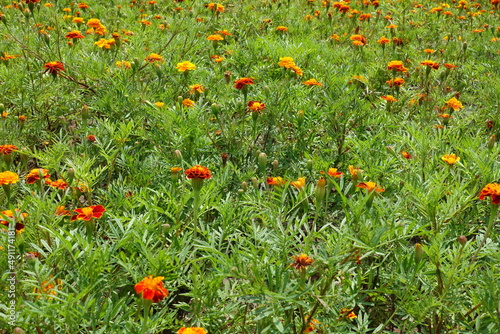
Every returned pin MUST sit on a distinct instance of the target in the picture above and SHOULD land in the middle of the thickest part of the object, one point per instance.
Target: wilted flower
(151, 288)
(450, 159)
(491, 190)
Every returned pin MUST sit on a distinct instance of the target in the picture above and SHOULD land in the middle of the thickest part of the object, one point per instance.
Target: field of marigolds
(256, 166)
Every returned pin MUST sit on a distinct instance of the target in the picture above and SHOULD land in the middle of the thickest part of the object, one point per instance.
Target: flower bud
(17, 330)
(255, 182)
(224, 158)
(85, 112)
(462, 240)
(309, 165)
(2, 108)
(320, 189)
(244, 186)
(300, 118)
(178, 156)
(491, 141)
(419, 252)
(71, 174)
(179, 100)
(215, 109)
(262, 161)
(275, 166)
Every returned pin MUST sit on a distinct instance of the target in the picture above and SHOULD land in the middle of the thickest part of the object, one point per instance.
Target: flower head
(154, 57)
(240, 83)
(389, 98)
(94, 211)
(54, 67)
(59, 184)
(151, 288)
(454, 104)
(75, 34)
(491, 190)
(197, 88)
(275, 181)
(256, 106)
(396, 65)
(188, 103)
(359, 40)
(8, 177)
(185, 66)
(370, 186)
(333, 172)
(282, 28)
(302, 261)
(191, 330)
(215, 38)
(34, 175)
(198, 172)
(286, 62)
(450, 159)
(300, 183)
(104, 43)
(312, 82)
(8, 216)
(430, 64)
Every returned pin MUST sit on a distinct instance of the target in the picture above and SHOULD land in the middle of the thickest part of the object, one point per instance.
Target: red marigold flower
(75, 34)
(491, 190)
(198, 172)
(7, 149)
(151, 288)
(256, 106)
(240, 83)
(34, 175)
(302, 261)
(54, 67)
(94, 211)
(406, 155)
(333, 172)
(7, 216)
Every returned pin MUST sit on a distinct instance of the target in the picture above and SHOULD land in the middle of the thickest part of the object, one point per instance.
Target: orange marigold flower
(406, 155)
(450, 159)
(93, 211)
(6, 217)
(61, 211)
(94, 23)
(7, 149)
(256, 106)
(123, 64)
(34, 175)
(54, 67)
(154, 57)
(389, 98)
(300, 183)
(396, 65)
(312, 326)
(275, 181)
(215, 38)
(8, 177)
(151, 288)
(197, 88)
(302, 261)
(352, 315)
(192, 330)
(429, 51)
(370, 186)
(282, 28)
(175, 170)
(445, 116)
(383, 40)
(297, 70)
(78, 20)
(59, 184)
(365, 17)
(106, 43)
(454, 104)
(240, 83)
(286, 62)
(217, 58)
(398, 82)
(359, 38)
(188, 103)
(392, 26)
(198, 172)
(224, 32)
(430, 63)
(75, 34)
(185, 66)
(312, 82)
(491, 190)
(333, 172)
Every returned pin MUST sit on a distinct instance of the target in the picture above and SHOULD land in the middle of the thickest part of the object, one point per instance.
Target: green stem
(196, 207)
(493, 215)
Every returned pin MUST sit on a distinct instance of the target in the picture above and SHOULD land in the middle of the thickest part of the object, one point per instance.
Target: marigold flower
(300, 183)
(34, 175)
(151, 288)
(215, 38)
(370, 186)
(59, 184)
(396, 65)
(449, 66)
(312, 82)
(61, 211)
(275, 181)
(198, 172)
(430, 51)
(383, 40)
(93, 211)
(360, 39)
(185, 66)
(450, 159)
(312, 326)
(333, 172)
(240, 83)
(352, 315)
(302, 261)
(105, 43)
(54, 67)
(175, 170)
(406, 155)
(430, 64)
(75, 34)
(7, 216)
(8, 177)
(256, 106)
(217, 58)
(7, 149)
(123, 64)
(297, 70)
(94, 23)
(282, 28)
(154, 57)
(78, 20)
(389, 98)
(197, 88)
(192, 330)
(491, 190)
(188, 103)
(398, 82)
(286, 62)
(454, 104)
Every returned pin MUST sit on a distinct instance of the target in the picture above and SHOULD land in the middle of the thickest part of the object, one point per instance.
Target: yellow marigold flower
(175, 170)
(8, 177)
(491, 190)
(185, 66)
(370, 186)
(215, 38)
(197, 88)
(94, 23)
(192, 330)
(312, 82)
(188, 103)
(282, 28)
(297, 71)
(123, 64)
(333, 172)
(286, 62)
(256, 106)
(78, 20)
(159, 104)
(302, 261)
(198, 172)
(450, 159)
(154, 57)
(105, 43)
(454, 104)
(300, 183)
